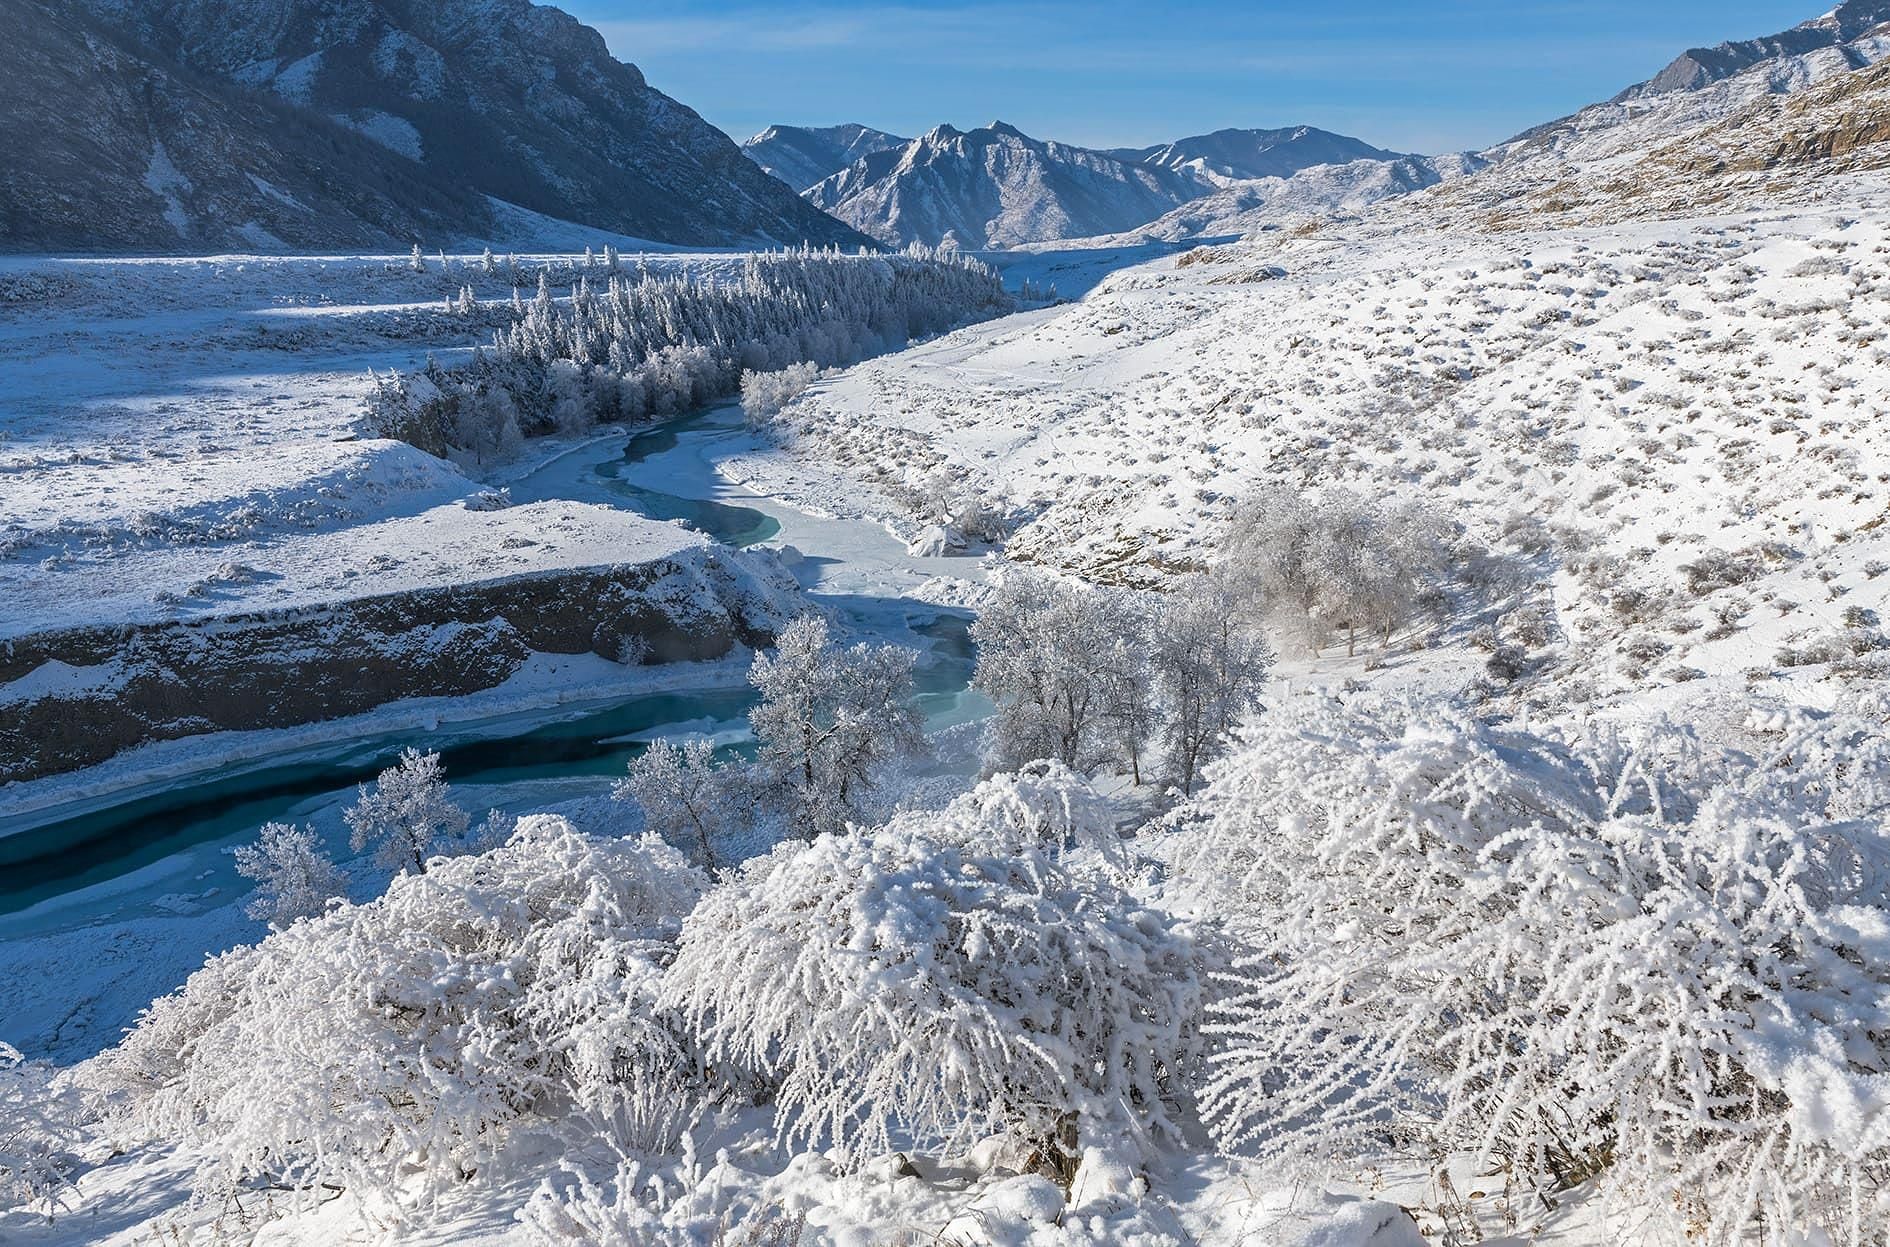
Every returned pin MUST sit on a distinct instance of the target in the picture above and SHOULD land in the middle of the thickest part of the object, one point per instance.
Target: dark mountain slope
(430, 107)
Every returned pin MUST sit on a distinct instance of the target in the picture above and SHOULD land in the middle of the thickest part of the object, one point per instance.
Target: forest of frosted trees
(621, 345)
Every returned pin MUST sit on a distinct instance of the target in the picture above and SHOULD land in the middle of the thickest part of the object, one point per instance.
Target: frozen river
(136, 886)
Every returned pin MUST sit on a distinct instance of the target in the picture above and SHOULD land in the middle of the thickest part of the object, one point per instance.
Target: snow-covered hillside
(1649, 402)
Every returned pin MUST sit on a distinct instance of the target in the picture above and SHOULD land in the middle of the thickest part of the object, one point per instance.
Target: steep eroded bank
(75, 696)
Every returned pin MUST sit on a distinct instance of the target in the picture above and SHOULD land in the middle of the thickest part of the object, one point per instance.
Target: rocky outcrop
(74, 697)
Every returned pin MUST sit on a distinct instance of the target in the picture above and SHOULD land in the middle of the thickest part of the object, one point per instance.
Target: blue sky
(1413, 75)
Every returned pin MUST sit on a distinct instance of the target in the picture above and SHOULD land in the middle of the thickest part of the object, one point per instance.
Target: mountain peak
(477, 101)
(804, 155)
(1700, 67)
(1007, 129)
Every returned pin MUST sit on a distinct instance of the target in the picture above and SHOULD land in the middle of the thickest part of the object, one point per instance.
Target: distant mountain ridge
(997, 187)
(1247, 154)
(804, 155)
(247, 123)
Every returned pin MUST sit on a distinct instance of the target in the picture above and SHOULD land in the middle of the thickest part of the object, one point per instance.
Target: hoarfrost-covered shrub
(571, 1208)
(580, 1210)
(39, 1125)
(1570, 954)
(896, 987)
(1338, 562)
(1043, 807)
(764, 394)
(407, 1033)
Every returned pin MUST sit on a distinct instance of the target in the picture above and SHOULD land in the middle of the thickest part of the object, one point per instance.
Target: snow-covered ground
(1666, 436)
(162, 418)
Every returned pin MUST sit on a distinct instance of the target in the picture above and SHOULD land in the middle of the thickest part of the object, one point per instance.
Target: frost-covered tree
(408, 815)
(1563, 954)
(404, 1038)
(417, 261)
(292, 873)
(1337, 561)
(40, 1115)
(899, 988)
(1210, 660)
(832, 721)
(1066, 666)
(764, 394)
(685, 797)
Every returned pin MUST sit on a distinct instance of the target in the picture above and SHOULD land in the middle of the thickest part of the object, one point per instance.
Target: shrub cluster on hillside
(643, 346)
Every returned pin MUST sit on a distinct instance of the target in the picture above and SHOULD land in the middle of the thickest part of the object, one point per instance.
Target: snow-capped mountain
(996, 186)
(1699, 67)
(1242, 207)
(1762, 133)
(804, 155)
(1256, 153)
(297, 123)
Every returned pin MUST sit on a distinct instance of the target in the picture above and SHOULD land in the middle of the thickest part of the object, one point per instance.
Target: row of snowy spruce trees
(633, 345)
(1377, 927)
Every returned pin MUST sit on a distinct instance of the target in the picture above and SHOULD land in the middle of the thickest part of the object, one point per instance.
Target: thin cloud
(775, 30)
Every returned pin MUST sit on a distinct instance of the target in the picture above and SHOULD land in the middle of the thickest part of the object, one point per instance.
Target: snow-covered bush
(1044, 807)
(955, 502)
(832, 721)
(293, 875)
(404, 1036)
(571, 1208)
(1066, 665)
(408, 814)
(39, 1125)
(764, 394)
(898, 988)
(1569, 954)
